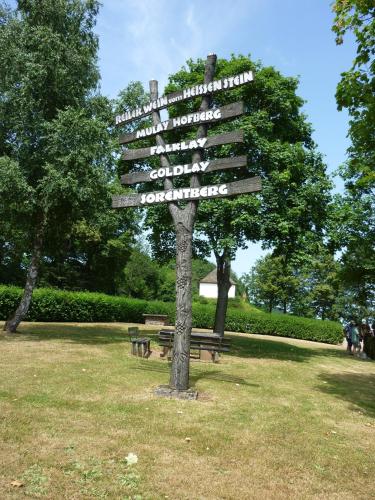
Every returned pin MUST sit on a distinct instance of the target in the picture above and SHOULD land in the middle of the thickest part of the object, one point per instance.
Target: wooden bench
(140, 346)
(208, 344)
(155, 319)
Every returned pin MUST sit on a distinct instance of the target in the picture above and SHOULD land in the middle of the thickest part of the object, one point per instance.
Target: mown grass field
(276, 418)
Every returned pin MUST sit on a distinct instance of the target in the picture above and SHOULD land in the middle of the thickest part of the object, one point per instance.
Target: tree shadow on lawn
(81, 334)
(196, 373)
(356, 388)
(243, 347)
(218, 376)
(250, 347)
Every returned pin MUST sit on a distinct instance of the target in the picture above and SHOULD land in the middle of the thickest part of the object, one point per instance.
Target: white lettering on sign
(178, 146)
(188, 168)
(229, 82)
(201, 116)
(156, 129)
(184, 193)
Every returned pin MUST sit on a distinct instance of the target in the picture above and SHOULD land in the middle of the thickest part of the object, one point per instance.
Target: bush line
(60, 306)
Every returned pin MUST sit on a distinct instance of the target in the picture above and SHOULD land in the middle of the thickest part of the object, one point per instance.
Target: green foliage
(141, 277)
(145, 278)
(353, 218)
(356, 90)
(53, 305)
(56, 305)
(271, 283)
(277, 141)
(308, 285)
(284, 325)
(352, 230)
(56, 150)
(279, 148)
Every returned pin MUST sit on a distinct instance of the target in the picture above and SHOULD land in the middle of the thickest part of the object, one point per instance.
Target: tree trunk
(184, 223)
(32, 274)
(179, 377)
(284, 306)
(223, 285)
(270, 306)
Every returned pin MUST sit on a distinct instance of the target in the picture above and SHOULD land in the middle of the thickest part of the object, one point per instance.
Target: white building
(208, 286)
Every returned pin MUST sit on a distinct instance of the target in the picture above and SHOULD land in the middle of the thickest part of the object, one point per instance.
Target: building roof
(212, 278)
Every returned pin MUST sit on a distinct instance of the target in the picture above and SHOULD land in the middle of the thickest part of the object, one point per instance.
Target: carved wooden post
(183, 220)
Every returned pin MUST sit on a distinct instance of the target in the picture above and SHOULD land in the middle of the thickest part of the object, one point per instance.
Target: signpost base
(167, 392)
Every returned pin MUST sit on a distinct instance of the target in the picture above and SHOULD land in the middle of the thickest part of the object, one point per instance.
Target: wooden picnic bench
(140, 345)
(155, 319)
(208, 344)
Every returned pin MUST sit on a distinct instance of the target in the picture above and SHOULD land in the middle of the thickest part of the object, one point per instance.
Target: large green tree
(271, 284)
(279, 148)
(352, 226)
(356, 90)
(309, 284)
(53, 129)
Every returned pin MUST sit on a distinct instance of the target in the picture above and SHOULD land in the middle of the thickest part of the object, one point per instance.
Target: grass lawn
(277, 418)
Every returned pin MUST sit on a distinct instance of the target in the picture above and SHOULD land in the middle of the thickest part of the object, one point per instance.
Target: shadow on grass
(196, 373)
(355, 388)
(250, 347)
(218, 376)
(81, 334)
(243, 347)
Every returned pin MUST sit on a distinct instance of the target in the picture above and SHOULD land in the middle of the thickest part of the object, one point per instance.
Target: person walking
(346, 332)
(354, 337)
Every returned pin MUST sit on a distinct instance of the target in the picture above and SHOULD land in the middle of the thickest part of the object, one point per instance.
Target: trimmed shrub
(55, 305)
(282, 325)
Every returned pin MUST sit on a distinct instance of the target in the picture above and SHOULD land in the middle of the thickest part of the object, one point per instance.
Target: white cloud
(154, 38)
(162, 37)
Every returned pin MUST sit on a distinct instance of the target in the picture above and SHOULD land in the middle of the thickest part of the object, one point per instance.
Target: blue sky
(150, 39)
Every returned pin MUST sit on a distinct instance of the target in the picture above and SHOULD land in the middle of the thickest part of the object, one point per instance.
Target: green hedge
(282, 325)
(55, 305)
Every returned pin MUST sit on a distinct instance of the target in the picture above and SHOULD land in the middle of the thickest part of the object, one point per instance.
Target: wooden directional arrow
(187, 169)
(188, 145)
(190, 120)
(251, 185)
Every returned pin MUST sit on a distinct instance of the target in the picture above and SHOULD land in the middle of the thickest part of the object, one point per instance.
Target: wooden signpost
(196, 91)
(186, 169)
(183, 216)
(205, 142)
(187, 194)
(209, 116)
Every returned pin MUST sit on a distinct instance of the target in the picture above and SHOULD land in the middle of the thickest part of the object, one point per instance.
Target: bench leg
(134, 348)
(165, 352)
(140, 349)
(147, 349)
